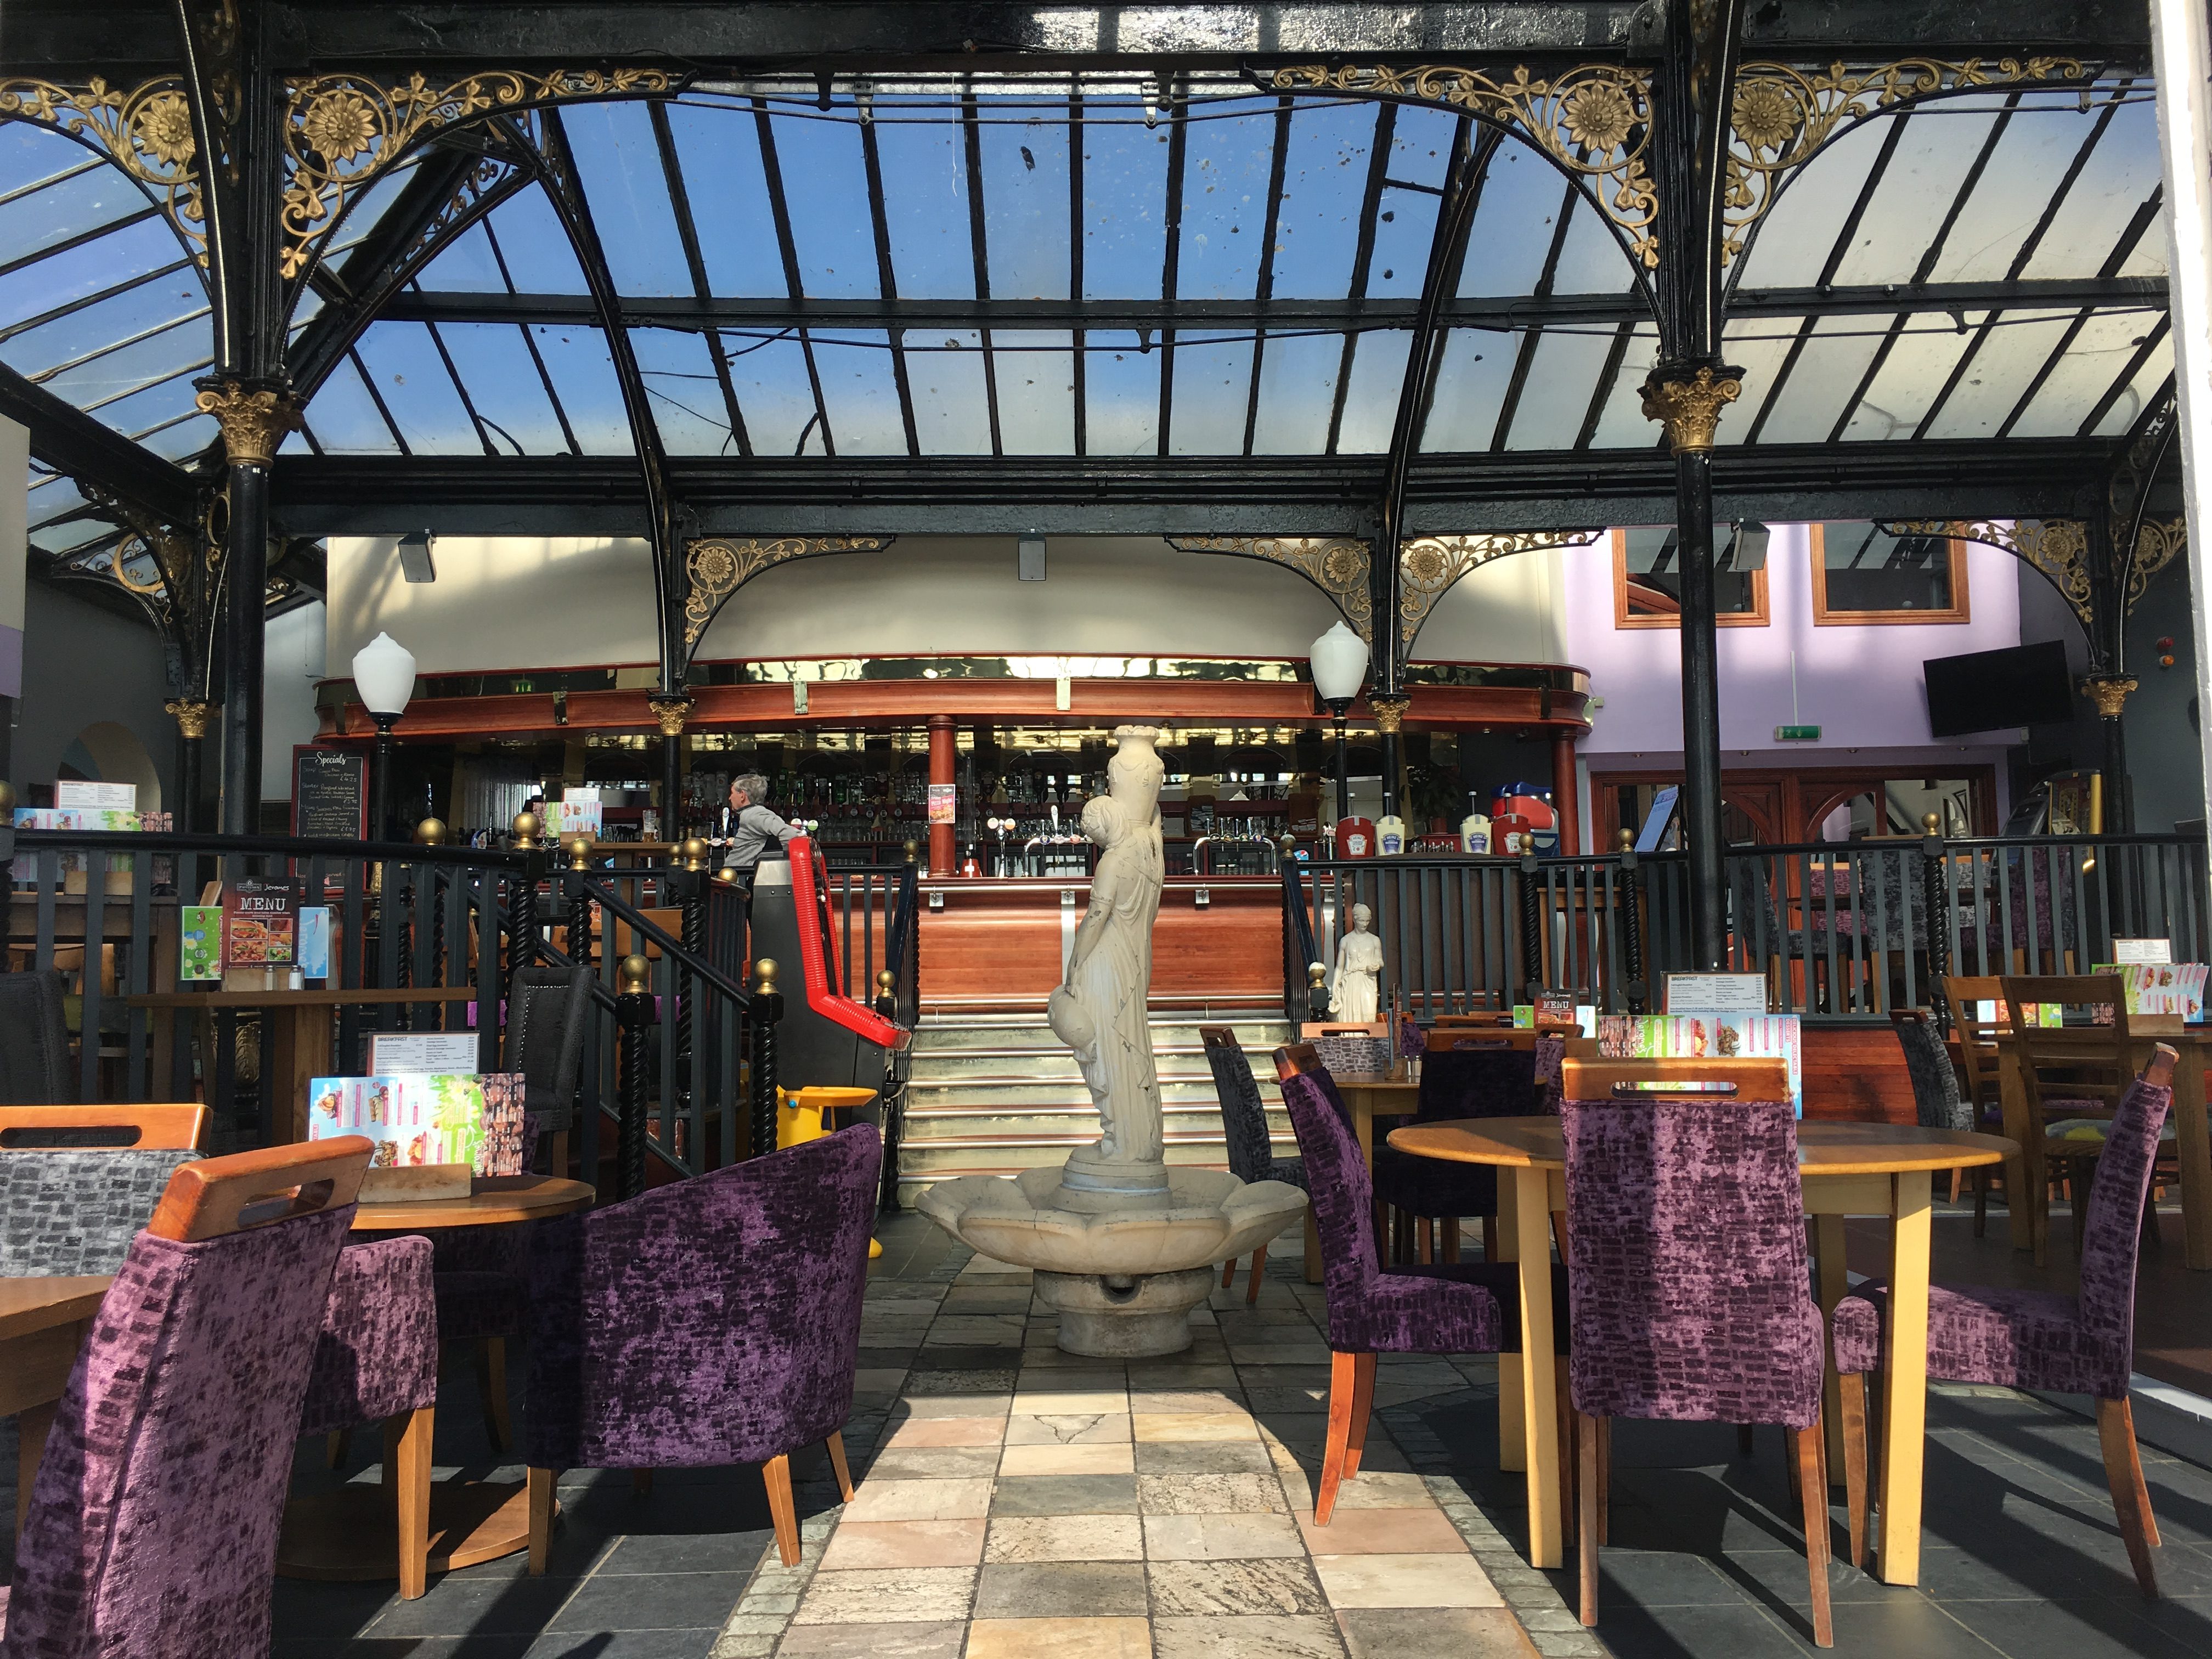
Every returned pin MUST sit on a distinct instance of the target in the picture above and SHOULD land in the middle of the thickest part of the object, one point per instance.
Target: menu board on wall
(330, 794)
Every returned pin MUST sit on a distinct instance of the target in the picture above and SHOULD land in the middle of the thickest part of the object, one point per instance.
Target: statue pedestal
(1125, 1318)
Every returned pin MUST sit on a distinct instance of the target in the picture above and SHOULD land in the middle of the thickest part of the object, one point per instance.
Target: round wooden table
(1847, 1170)
(351, 1534)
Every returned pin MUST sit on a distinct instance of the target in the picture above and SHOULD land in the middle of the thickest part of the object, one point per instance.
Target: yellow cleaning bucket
(802, 1114)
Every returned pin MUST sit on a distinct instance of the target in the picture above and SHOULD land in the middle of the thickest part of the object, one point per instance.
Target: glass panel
(2009, 358)
(773, 391)
(1916, 190)
(1555, 398)
(2098, 354)
(1470, 387)
(1405, 233)
(534, 247)
(951, 413)
(582, 371)
(1037, 391)
(1420, 148)
(467, 266)
(1867, 568)
(1905, 388)
(365, 210)
(96, 266)
(1324, 189)
(171, 352)
(862, 396)
(186, 437)
(31, 154)
(2121, 174)
(1790, 245)
(1297, 388)
(924, 168)
(618, 162)
(720, 150)
(1224, 207)
(1592, 261)
(1371, 397)
(156, 404)
(1212, 390)
(1513, 231)
(1655, 577)
(1026, 202)
(685, 395)
(825, 185)
(1624, 425)
(416, 387)
(52, 497)
(1124, 169)
(2039, 143)
(493, 361)
(1121, 394)
(166, 301)
(70, 206)
(345, 420)
(2149, 382)
(1826, 371)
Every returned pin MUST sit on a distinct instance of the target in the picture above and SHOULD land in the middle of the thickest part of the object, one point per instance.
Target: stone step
(1046, 1091)
(927, 1124)
(1256, 1037)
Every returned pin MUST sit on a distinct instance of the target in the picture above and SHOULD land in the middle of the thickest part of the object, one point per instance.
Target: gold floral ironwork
(1338, 565)
(1690, 409)
(2059, 547)
(719, 566)
(1429, 565)
(1594, 121)
(146, 130)
(2109, 692)
(254, 419)
(670, 712)
(342, 131)
(2158, 545)
(1389, 711)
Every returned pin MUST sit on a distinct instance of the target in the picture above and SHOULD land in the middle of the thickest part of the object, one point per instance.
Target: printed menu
(1703, 1037)
(417, 1118)
(260, 924)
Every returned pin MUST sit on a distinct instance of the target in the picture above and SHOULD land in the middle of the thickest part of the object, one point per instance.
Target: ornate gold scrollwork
(192, 716)
(1338, 565)
(672, 712)
(719, 566)
(342, 131)
(1690, 409)
(2160, 543)
(1429, 565)
(1595, 121)
(146, 131)
(1389, 711)
(254, 419)
(2059, 547)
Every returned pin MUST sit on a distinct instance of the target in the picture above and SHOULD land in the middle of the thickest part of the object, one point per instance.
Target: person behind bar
(751, 825)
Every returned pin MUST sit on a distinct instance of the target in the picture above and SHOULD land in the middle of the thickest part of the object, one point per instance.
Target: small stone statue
(1358, 964)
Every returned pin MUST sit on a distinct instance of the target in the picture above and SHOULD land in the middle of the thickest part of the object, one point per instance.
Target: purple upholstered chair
(710, 1322)
(1463, 1075)
(152, 1528)
(376, 1361)
(1244, 1129)
(1692, 1301)
(2021, 1339)
(1464, 1307)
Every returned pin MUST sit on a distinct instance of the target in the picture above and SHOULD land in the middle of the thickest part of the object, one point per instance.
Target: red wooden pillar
(1563, 794)
(943, 759)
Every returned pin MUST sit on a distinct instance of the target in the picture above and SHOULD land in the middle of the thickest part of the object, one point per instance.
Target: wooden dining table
(43, 1322)
(1847, 1170)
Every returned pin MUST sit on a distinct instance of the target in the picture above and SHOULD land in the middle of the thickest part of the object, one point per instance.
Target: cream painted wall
(512, 602)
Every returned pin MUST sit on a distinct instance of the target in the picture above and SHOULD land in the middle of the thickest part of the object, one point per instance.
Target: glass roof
(1118, 268)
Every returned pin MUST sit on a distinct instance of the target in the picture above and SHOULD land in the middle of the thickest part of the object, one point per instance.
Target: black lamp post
(384, 674)
(1339, 660)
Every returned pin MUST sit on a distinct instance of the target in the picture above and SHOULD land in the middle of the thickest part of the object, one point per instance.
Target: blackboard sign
(330, 794)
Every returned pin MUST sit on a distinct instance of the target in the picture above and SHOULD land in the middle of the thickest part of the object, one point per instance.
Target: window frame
(1757, 616)
(1960, 610)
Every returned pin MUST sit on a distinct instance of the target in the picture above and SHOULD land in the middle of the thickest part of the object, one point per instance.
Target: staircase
(996, 1094)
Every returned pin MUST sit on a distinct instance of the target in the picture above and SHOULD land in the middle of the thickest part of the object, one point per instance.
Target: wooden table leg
(1833, 1281)
(1539, 1367)
(1512, 1424)
(303, 1053)
(2021, 1204)
(1905, 1392)
(2193, 1146)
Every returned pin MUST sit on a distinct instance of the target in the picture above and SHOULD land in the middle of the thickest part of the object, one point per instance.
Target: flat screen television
(1989, 691)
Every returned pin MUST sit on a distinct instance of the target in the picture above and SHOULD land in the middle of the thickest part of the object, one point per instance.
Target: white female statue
(1358, 964)
(1100, 1011)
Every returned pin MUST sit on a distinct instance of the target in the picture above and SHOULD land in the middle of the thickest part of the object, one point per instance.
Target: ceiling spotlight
(1746, 548)
(1030, 554)
(415, 558)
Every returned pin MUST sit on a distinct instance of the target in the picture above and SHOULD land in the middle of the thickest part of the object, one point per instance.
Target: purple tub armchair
(714, 1321)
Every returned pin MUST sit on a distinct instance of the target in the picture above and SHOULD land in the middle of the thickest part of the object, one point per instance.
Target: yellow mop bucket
(802, 1114)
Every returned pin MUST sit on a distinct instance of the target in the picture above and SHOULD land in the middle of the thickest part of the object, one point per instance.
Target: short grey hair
(754, 785)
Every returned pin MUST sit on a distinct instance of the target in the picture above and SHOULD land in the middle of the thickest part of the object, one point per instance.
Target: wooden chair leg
(337, 1447)
(1591, 1433)
(836, 1444)
(541, 1519)
(491, 1384)
(1229, 1272)
(1343, 1385)
(1604, 1480)
(1813, 1485)
(1559, 1232)
(1451, 1238)
(1570, 1421)
(1425, 1239)
(407, 1474)
(1852, 1388)
(2116, 1433)
(1490, 1238)
(1790, 1469)
(1259, 1261)
(1957, 1176)
(1363, 1407)
(775, 1474)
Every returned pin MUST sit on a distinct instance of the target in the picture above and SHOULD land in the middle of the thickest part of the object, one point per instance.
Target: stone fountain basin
(1209, 1217)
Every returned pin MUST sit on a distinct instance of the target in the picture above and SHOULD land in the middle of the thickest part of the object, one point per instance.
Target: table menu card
(425, 1118)
(1710, 1036)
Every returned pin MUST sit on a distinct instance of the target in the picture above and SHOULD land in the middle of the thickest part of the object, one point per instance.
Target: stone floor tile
(1181, 1373)
(1061, 1639)
(1203, 1457)
(1221, 1538)
(1077, 1429)
(1064, 1538)
(942, 1640)
(916, 1433)
(1169, 1428)
(1116, 1458)
(1061, 1590)
(1064, 1494)
(1435, 1633)
(1406, 1581)
(953, 1405)
(1210, 1494)
(890, 1595)
(1381, 1532)
(920, 1500)
(932, 1463)
(1195, 1588)
(1278, 1636)
(1147, 1401)
(982, 1379)
(857, 1544)
(1033, 1401)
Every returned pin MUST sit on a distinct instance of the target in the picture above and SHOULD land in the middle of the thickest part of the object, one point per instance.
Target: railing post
(633, 1016)
(1532, 928)
(1936, 883)
(522, 909)
(892, 1114)
(1316, 990)
(431, 832)
(580, 904)
(1631, 925)
(766, 1010)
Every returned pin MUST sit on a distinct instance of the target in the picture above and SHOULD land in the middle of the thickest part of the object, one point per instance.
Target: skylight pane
(1125, 170)
(1905, 388)
(68, 206)
(1122, 387)
(1371, 397)
(186, 438)
(1826, 372)
(862, 394)
(582, 371)
(493, 361)
(1297, 389)
(1212, 390)
(618, 164)
(925, 204)
(1224, 207)
(1470, 386)
(1037, 391)
(1405, 233)
(773, 390)
(535, 246)
(364, 210)
(825, 184)
(345, 420)
(152, 404)
(51, 497)
(1790, 244)
(170, 352)
(96, 266)
(467, 266)
(2039, 143)
(1512, 229)
(412, 380)
(1623, 424)
(1421, 144)
(2094, 360)
(135, 311)
(1591, 259)
(2149, 382)
(1999, 374)
(951, 414)
(32, 154)
(682, 392)
(1916, 190)
(720, 150)
(2121, 174)
(1026, 202)
(1324, 188)
(1556, 397)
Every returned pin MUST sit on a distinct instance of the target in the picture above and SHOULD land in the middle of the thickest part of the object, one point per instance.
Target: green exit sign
(1797, 735)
